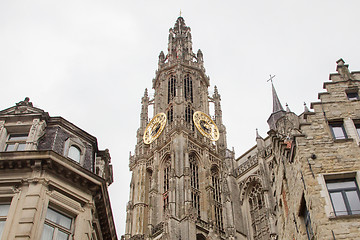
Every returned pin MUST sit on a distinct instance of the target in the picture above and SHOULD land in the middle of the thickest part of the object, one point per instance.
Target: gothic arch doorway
(199, 236)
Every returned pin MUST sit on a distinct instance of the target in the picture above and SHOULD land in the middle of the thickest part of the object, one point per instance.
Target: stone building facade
(53, 178)
(299, 182)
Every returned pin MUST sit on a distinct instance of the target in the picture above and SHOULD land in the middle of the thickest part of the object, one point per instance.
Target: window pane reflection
(74, 153)
(354, 201)
(4, 209)
(338, 203)
(47, 233)
(58, 218)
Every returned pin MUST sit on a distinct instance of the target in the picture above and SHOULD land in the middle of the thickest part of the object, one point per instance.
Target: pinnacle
(276, 102)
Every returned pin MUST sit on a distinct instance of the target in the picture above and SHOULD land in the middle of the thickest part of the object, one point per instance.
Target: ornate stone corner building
(299, 182)
(53, 179)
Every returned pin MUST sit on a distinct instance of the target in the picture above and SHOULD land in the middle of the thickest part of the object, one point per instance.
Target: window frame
(16, 142)
(338, 124)
(343, 194)
(73, 146)
(166, 183)
(3, 218)
(357, 127)
(354, 91)
(195, 183)
(215, 183)
(305, 215)
(76, 142)
(56, 226)
(171, 87)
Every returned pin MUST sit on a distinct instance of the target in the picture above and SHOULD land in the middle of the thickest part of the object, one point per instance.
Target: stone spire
(276, 102)
(144, 115)
(260, 143)
(258, 135)
(306, 109)
(287, 108)
(180, 44)
(216, 98)
(278, 110)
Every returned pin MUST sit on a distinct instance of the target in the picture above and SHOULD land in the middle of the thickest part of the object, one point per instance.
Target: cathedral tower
(179, 186)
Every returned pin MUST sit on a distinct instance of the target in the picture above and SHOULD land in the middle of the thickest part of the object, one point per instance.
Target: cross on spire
(271, 78)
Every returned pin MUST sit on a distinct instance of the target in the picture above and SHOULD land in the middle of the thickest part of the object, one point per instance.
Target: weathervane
(271, 78)
(180, 12)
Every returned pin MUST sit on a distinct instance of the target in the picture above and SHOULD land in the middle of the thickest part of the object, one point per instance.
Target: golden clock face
(154, 128)
(206, 126)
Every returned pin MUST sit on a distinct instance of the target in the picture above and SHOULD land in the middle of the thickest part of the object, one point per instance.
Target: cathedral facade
(299, 182)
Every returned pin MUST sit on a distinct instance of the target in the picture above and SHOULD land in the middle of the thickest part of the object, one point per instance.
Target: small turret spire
(287, 108)
(278, 110)
(276, 102)
(306, 109)
(257, 134)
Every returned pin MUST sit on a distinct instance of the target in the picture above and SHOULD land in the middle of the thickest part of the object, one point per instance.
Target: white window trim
(7, 197)
(77, 143)
(328, 207)
(64, 205)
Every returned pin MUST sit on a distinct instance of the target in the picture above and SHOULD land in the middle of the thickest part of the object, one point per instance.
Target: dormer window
(75, 150)
(16, 142)
(74, 153)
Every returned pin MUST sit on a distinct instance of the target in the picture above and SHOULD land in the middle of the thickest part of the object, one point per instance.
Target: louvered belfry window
(217, 199)
(188, 88)
(171, 88)
(195, 189)
(167, 168)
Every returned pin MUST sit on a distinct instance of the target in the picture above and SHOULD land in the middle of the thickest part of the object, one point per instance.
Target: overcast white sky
(90, 61)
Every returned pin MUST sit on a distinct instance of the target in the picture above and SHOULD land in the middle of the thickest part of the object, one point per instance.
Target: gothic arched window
(171, 88)
(188, 89)
(215, 180)
(188, 116)
(258, 216)
(170, 114)
(167, 168)
(195, 189)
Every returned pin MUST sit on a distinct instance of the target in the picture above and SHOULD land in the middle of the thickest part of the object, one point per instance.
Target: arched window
(195, 189)
(259, 223)
(171, 88)
(74, 153)
(189, 116)
(215, 177)
(170, 114)
(167, 168)
(200, 237)
(188, 89)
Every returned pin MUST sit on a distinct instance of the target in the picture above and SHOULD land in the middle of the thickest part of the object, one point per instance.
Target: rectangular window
(345, 196)
(352, 96)
(16, 142)
(357, 126)
(4, 209)
(338, 130)
(57, 226)
(307, 220)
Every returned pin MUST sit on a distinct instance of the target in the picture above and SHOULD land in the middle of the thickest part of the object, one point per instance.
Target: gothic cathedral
(299, 182)
(178, 166)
